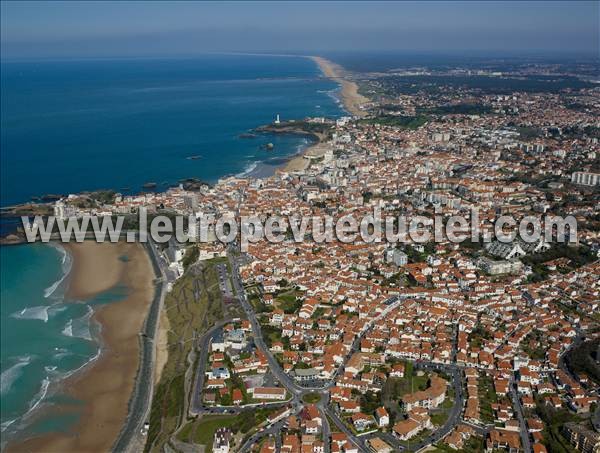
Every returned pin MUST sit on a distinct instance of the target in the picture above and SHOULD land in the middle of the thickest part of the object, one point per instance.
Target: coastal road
(130, 436)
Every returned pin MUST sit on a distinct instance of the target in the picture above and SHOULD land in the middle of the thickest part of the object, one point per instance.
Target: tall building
(585, 178)
(191, 202)
(582, 438)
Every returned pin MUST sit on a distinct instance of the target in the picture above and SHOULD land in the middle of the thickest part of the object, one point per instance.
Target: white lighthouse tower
(277, 120)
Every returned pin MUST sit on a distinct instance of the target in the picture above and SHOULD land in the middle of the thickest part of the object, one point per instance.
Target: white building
(218, 373)
(62, 211)
(267, 393)
(493, 267)
(396, 256)
(221, 440)
(585, 178)
(382, 417)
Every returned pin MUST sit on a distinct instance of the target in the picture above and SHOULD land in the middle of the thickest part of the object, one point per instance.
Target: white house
(382, 417)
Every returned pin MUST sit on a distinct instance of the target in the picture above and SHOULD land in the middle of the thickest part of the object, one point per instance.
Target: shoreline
(301, 161)
(350, 99)
(348, 93)
(104, 387)
(348, 96)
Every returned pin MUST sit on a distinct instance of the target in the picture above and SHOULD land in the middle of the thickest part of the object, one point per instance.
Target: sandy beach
(106, 385)
(301, 162)
(349, 95)
(96, 269)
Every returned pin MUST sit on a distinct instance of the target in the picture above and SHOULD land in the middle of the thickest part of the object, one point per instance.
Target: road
(276, 369)
(141, 399)
(292, 386)
(196, 405)
(357, 441)
(298, 391)
(514, 396)
(454, 417)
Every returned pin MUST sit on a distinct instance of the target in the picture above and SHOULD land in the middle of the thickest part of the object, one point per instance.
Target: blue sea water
(68, 126)
(82, 125)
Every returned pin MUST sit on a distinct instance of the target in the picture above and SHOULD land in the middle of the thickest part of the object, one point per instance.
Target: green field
(441, 414)
(288, 301)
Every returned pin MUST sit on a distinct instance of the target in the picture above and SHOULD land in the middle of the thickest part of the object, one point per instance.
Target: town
(437, 346)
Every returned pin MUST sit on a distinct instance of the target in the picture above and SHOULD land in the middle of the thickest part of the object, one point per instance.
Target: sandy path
(162, 345)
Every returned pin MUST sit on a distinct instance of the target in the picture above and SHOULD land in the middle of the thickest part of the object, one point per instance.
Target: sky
(70, 29)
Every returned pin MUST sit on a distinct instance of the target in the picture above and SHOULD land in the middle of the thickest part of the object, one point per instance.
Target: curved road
(327, 410)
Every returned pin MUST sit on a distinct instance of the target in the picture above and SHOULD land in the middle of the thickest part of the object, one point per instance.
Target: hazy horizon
(58, 30)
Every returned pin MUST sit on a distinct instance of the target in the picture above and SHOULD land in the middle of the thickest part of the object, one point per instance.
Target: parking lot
(224, 281)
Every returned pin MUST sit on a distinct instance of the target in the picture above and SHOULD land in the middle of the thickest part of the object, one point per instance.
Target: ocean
(71, 126)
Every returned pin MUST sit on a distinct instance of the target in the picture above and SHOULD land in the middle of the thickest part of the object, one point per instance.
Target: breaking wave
(66, 263)
(249, 169)
(9, 376)
(79, 327)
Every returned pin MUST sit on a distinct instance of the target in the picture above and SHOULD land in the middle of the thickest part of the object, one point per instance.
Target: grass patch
(288, 301)
(395, 388)
(487, 396)
(272, 334)
(311, 398)
(202, 431)
(553, 420)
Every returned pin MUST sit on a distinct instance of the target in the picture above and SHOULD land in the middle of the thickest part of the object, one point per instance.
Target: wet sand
(106, 385)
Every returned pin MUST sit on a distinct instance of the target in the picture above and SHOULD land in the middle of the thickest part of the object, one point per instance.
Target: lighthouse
(277, 120)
